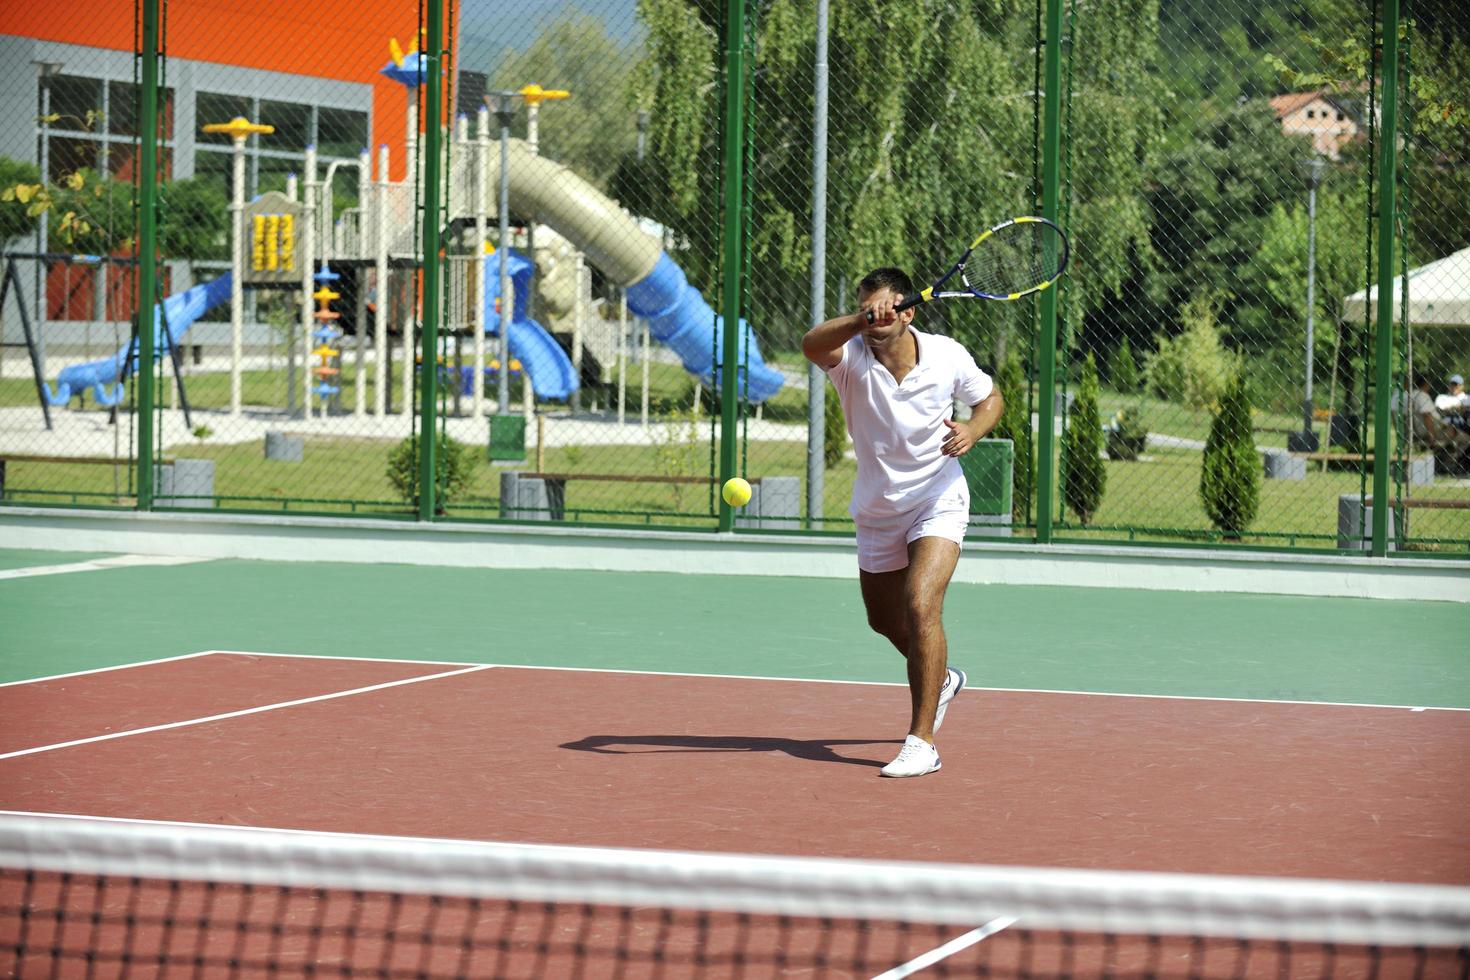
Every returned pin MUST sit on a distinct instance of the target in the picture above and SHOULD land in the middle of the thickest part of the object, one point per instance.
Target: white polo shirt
(897, 428)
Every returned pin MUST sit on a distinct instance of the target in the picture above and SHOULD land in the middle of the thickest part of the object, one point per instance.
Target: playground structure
(295, 242)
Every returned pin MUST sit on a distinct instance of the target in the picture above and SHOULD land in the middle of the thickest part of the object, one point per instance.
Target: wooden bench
(631, 478)
(779, 503)
(1336, 457)
(87, 460)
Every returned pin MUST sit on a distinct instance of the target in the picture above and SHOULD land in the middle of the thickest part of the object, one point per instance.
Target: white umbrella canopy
(1439, 294)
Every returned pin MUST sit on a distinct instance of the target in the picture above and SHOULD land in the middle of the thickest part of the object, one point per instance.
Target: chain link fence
(614, 175)
(1213, 388)
(1430, 478)
(68, 198)
(1221, 372)
(609, 117)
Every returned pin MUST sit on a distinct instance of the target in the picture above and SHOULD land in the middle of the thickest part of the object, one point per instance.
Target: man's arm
(1430, 428)
(983, 418)
(822, 344)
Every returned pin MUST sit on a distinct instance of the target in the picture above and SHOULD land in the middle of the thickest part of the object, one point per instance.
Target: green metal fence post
(734, 235)
(433, 144)
(1387, 219)
(1050, 208)
(147, 247)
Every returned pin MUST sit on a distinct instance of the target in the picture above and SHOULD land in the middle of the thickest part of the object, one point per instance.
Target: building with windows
(1320, 115)
(310, 68)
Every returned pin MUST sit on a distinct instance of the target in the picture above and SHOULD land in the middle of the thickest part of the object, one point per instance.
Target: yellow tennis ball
(736, 492)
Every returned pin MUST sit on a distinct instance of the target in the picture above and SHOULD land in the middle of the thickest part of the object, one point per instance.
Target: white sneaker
(916, 758)
(954, 683)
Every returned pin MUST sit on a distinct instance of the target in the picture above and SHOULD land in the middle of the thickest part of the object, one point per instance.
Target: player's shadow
(812, 750)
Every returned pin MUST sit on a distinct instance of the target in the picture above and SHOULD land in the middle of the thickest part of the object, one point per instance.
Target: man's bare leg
(906, 607)
(931, 565)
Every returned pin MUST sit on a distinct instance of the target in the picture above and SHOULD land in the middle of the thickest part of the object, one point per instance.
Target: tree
(1230, 480)
(1123, 369)
(1192, 367)
(454, 465)
(1083, 475)
(593, 130)
(1211, 203)
(834, 427)
(15, 217)
(1015, 425)
(196, 219)
(1282, 262)
(926, 139)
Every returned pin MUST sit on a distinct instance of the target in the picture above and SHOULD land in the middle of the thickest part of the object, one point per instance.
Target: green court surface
(1047, 638)
(25, 558)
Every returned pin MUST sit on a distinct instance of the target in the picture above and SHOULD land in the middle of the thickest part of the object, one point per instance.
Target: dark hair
(890, 278)
(1420, 378)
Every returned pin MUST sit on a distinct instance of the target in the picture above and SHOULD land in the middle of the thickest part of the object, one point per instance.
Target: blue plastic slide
(679, 318)
(657, 289)
(551, 371)
(105, 377)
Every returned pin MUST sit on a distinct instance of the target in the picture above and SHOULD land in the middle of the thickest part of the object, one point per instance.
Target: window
(1311, 113)
(74, 104)
(122, 110)
(293, 126)
(91, 124)
(1341, 117)
(210, 108)
(341, 132)
(66, 155)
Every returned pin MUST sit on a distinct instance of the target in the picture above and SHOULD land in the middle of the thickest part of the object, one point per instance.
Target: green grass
(1154, 498)
(1144, 499)
(335, 472)
(1161, 492)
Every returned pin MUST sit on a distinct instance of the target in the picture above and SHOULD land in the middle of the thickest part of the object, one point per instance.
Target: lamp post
(239, 130)
(642, 120)
(816, 379)
(503, 101)
(46, 71)
(1311, 169)
(533, 95)
(504, 113)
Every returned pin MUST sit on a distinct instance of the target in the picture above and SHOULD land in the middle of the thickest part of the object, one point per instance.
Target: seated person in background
(1430, 428)
(1454, 404)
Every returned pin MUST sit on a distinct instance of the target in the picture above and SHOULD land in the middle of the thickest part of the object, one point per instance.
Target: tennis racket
(1012, 259)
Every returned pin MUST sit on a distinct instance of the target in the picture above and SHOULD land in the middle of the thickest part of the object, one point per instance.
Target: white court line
(364, 660)
(824, 680)
(240, 653)
(999, 690)
(948, 949)
(343, 834)
(794, 680)
(238, 714)
(102, 670)
(98, 564)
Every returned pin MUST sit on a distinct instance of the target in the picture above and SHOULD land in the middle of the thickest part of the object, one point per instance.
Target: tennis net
(87, 897)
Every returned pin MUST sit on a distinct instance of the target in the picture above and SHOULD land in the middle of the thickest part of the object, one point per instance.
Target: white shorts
(884, 546)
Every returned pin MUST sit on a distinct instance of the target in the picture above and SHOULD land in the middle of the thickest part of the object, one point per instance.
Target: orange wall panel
(345, 40)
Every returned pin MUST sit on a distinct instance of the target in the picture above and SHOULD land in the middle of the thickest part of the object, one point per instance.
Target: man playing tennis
(910, 503)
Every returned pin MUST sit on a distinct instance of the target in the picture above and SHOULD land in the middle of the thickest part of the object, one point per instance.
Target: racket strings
(1014, 259)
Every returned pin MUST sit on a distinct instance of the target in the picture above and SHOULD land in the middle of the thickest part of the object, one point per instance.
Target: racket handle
(907, 303)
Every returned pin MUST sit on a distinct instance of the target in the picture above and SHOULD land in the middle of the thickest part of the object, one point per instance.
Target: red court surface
(89, 704)
(751, 765)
